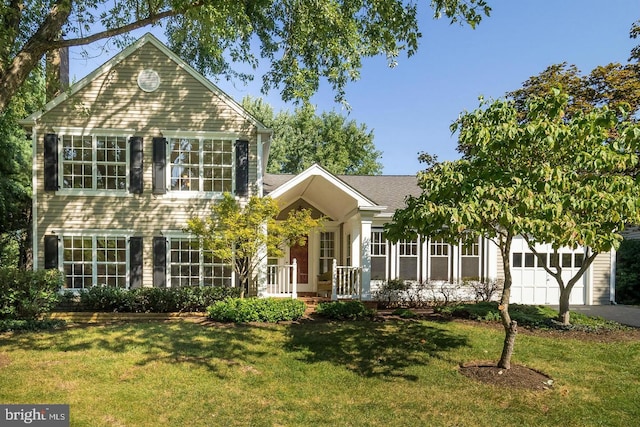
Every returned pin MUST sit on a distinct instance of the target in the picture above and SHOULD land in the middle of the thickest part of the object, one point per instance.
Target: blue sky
(410, 108)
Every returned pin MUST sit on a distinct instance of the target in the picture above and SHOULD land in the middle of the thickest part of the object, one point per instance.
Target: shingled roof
(384, 190)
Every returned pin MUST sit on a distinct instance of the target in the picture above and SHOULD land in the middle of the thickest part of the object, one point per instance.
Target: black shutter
(159, 164)
(242, 168)
(50, 252)
(135, 169)
(159, 262)
(51, 162)
(135, 262)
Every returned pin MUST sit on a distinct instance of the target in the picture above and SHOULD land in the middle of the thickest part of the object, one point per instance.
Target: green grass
(394, 373)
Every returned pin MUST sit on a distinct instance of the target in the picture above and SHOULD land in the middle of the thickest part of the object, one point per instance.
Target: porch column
(366, 219)
(261, 270)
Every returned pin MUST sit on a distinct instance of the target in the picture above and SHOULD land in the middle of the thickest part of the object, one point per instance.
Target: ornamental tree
(244, 235)
(564, 182)
(303, 41)
(465, 199)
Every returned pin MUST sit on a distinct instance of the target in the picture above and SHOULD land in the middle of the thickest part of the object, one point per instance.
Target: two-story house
(130, 152)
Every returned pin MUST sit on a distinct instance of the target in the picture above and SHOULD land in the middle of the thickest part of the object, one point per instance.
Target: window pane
(517, 259)
(566, 260)
(578, 260)
(529, 259)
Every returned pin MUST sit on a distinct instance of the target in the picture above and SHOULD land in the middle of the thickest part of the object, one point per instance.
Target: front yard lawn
(393, 373)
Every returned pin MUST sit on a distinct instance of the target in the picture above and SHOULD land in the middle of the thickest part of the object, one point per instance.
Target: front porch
(343, 282)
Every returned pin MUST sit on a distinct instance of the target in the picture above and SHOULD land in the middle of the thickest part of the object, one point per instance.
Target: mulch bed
(517, 376)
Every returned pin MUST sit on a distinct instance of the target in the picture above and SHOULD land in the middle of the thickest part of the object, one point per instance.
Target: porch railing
(347, 282)
(282, 280)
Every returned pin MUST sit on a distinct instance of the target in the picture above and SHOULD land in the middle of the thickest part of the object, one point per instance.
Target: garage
(531, 282)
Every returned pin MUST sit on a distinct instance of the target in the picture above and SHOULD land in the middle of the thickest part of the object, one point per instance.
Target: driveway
(625, 314)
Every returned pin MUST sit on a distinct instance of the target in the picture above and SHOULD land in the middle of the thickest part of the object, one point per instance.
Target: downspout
(612, 276)
(34, 196)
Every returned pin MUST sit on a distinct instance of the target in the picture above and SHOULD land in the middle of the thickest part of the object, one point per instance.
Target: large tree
(15, 173)
(614, 85)
(243, 236)
(303, 138)
(304, 41)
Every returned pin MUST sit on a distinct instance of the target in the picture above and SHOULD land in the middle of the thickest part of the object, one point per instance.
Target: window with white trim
(378, 255)
(408, 259)
(439, 260)
(470, 258)
(190, 265)
(327, 251)
(90, 260)
(94, 162)
(201, 164)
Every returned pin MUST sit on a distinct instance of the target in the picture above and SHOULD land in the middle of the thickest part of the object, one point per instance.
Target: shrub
(107, 298)
(243, 310)
(628, 272)
(344, 310)
(404, 313)
(483, 290)
(392, 292)
(154, 300)
(26, 294)
(30, 325)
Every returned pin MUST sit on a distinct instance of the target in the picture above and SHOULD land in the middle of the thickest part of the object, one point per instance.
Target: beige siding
(113, 100)
(601, 276)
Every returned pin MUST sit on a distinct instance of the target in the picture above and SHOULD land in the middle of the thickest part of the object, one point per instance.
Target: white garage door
(533, 285)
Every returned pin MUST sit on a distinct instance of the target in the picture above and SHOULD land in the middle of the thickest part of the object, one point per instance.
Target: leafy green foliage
(244, 310)
(30, 325)
(243, 236)
(15, 173)
(404, 313)
(344, 310)
(303, 138)
(531, 316)
(628, 272)
(614, 85)
(153, 300)
(26, 295)
(305, 42)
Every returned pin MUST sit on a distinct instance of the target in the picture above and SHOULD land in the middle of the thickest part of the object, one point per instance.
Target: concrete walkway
(624, 314)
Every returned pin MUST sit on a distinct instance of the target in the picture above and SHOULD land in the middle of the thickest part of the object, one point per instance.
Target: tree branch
(152, 19)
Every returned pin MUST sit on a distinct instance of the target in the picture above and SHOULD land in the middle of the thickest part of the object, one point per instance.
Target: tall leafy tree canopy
(15, 172)
(304, 40)
(303, 138)
(614, 85)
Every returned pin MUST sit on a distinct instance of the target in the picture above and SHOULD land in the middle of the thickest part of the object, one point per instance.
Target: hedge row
(245, 310)
(153, 300)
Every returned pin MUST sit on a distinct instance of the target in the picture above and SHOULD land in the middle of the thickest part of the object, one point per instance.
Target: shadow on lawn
(153, 342)
(373, 349)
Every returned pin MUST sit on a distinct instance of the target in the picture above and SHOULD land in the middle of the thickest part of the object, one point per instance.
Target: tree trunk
(510, 326)
(564, 316)
(510, 332)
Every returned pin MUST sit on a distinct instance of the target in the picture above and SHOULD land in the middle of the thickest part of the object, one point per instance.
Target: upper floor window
(94, 162)
(201, 164)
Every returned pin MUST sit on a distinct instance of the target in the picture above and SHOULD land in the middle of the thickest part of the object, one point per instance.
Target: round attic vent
(148, 80)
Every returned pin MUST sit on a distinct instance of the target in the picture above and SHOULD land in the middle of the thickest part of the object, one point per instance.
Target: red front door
(301, 255)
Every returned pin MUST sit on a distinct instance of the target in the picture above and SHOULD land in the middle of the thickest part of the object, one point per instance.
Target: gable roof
(148, 38)
(386, 191)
